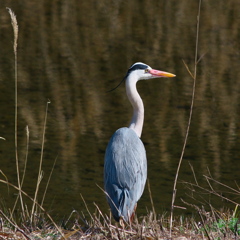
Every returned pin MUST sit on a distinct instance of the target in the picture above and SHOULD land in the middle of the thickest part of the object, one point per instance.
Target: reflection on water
(73, 52)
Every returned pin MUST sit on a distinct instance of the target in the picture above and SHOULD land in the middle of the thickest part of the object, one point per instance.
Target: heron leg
(133, 213)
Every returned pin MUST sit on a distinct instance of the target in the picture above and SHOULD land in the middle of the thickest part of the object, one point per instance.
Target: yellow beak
(161, 73)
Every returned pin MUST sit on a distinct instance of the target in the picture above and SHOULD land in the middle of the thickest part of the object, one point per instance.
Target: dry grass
(212, 225)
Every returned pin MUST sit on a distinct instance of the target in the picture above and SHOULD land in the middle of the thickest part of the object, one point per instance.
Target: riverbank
(212, 225)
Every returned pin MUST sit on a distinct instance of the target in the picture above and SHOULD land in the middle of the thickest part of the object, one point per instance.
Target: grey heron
(125, 164)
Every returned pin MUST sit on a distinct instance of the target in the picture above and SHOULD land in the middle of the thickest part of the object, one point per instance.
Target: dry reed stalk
(101, 214)
(110, 199)
(40, 173)
(87, 207)
(24, 173)
(15, 33)
(194, 76)
(49, 178)
(211, 189)
(151, 199)
(204, 226)
(25, 164)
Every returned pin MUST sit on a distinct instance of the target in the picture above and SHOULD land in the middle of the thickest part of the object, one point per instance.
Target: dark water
(72, 52)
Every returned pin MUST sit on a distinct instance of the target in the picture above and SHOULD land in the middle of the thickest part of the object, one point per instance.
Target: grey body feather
(125, 172)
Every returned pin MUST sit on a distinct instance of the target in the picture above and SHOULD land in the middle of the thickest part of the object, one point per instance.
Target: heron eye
(146, 70)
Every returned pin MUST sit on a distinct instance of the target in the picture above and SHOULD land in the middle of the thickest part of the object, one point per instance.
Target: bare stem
(194, 76)
(40, 173)
(48, 181)
(26, 158)
(23, 176)
(151, 199)
(15, 32)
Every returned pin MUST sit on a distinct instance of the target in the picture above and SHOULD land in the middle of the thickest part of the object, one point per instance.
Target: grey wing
(125, 171)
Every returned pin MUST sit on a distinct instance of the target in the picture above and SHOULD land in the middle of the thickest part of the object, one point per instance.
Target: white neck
(137, 103)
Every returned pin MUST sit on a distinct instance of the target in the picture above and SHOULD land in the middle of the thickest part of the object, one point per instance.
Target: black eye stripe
(136, 67)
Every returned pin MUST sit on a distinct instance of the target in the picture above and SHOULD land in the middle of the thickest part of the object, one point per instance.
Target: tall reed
(40, 173)
(194, 76)
(15, 33)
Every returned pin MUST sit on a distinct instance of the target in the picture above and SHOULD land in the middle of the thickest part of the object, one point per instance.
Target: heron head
(144, 72)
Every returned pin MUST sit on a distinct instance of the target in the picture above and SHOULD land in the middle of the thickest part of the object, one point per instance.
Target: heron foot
(121, 222)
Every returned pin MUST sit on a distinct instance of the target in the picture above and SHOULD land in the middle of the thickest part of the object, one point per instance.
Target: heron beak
(158, 73)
